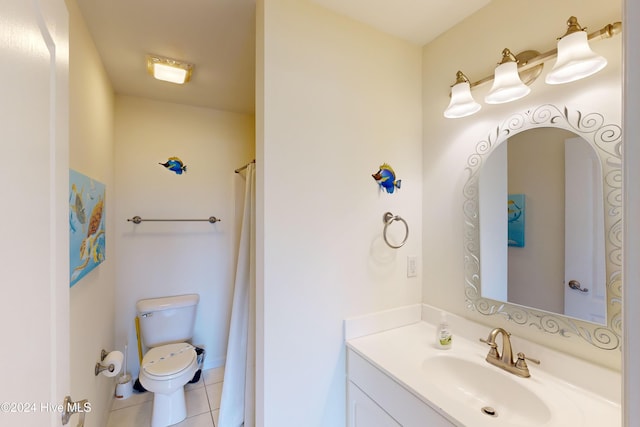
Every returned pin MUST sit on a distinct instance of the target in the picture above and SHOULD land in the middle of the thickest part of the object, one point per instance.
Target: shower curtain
(237, 405)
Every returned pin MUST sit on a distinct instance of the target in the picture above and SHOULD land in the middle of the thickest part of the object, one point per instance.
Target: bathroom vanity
(398, 377)
(377, 399)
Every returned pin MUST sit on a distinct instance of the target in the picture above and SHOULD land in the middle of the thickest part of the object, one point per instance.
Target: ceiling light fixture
(575, 61)
(169, 70)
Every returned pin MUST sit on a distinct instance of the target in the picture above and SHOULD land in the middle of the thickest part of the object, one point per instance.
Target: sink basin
(486, 389)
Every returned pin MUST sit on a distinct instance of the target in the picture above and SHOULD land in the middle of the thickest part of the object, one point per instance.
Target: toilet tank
(167, 319)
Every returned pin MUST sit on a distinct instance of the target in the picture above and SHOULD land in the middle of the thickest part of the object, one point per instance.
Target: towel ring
(388, 218)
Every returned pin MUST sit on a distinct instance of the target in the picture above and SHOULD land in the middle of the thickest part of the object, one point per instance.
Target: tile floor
(203, 403)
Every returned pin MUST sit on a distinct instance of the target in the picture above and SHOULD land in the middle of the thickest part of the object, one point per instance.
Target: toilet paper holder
(100, 367)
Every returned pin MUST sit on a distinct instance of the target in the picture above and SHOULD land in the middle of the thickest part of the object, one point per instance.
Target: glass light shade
(507, 85)
(462, 103)
(169, 73)
(169, 70)
(575, 60)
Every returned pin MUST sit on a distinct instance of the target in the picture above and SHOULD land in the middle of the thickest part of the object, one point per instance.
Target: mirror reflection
(542, 224)
(523, 273)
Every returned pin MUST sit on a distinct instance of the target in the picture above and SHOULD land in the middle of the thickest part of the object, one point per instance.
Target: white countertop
(401, 351)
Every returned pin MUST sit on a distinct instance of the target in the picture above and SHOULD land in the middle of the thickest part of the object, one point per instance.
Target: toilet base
(168, 409)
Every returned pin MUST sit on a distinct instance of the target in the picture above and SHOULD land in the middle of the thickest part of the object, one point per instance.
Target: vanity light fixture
(575, 61)
(462, 103)
(507, 85)
(169, 70)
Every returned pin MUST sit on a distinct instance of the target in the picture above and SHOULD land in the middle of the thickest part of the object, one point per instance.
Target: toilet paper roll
(115, 358)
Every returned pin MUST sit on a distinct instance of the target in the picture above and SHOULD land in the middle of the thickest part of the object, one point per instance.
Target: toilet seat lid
(168, 359)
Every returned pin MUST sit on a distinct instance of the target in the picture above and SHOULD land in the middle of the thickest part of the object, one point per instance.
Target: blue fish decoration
(386, 178)
(175, 164)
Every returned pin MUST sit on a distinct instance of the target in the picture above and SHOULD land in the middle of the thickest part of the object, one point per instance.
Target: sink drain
(488, 410)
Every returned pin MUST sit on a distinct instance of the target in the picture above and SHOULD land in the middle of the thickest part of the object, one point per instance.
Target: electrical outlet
(412, 266)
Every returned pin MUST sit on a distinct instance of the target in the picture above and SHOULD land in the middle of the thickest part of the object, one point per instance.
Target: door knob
(574, 284)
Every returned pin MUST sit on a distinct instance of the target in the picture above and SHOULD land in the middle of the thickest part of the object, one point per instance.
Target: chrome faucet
(504, 359)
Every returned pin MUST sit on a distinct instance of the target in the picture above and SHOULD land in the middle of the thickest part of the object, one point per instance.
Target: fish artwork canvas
(86, 225)
(174, 164)
(515, 213)
(386, 178)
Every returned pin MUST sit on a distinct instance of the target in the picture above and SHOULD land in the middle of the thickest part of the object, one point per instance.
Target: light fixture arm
(524, 63)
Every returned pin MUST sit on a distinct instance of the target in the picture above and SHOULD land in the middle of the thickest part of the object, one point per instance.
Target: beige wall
(92, 306)
(474, 47)
(170, 258)
(336, 99)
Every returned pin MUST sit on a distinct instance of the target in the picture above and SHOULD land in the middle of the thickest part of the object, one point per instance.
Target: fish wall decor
(175, 164)
(386, 178)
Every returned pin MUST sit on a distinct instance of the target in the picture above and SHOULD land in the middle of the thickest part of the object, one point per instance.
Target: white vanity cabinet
(397, 376)
(364, 412)
(376, 400)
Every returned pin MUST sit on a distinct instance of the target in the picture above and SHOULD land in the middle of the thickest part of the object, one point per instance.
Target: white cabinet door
(401, 407)
(364, 412)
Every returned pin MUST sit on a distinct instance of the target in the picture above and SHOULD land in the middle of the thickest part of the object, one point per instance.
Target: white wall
(448, 143)
(92, 313)
(336, 99)
(170, 258)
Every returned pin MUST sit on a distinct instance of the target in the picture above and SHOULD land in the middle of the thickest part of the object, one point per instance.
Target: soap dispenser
(443, 333)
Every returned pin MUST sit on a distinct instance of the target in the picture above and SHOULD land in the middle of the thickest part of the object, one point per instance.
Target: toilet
(166, 329)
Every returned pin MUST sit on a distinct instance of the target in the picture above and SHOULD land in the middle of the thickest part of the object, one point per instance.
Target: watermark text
(33, 407)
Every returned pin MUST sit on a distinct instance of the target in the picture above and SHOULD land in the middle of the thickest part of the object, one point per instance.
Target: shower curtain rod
(244, 167)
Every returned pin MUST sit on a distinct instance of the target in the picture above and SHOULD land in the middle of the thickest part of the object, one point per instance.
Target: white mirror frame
(606, 139)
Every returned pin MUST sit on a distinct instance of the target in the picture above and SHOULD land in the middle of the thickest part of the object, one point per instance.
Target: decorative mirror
(506, 220)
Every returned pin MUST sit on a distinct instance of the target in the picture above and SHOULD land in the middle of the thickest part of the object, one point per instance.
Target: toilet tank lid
(165, 303)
